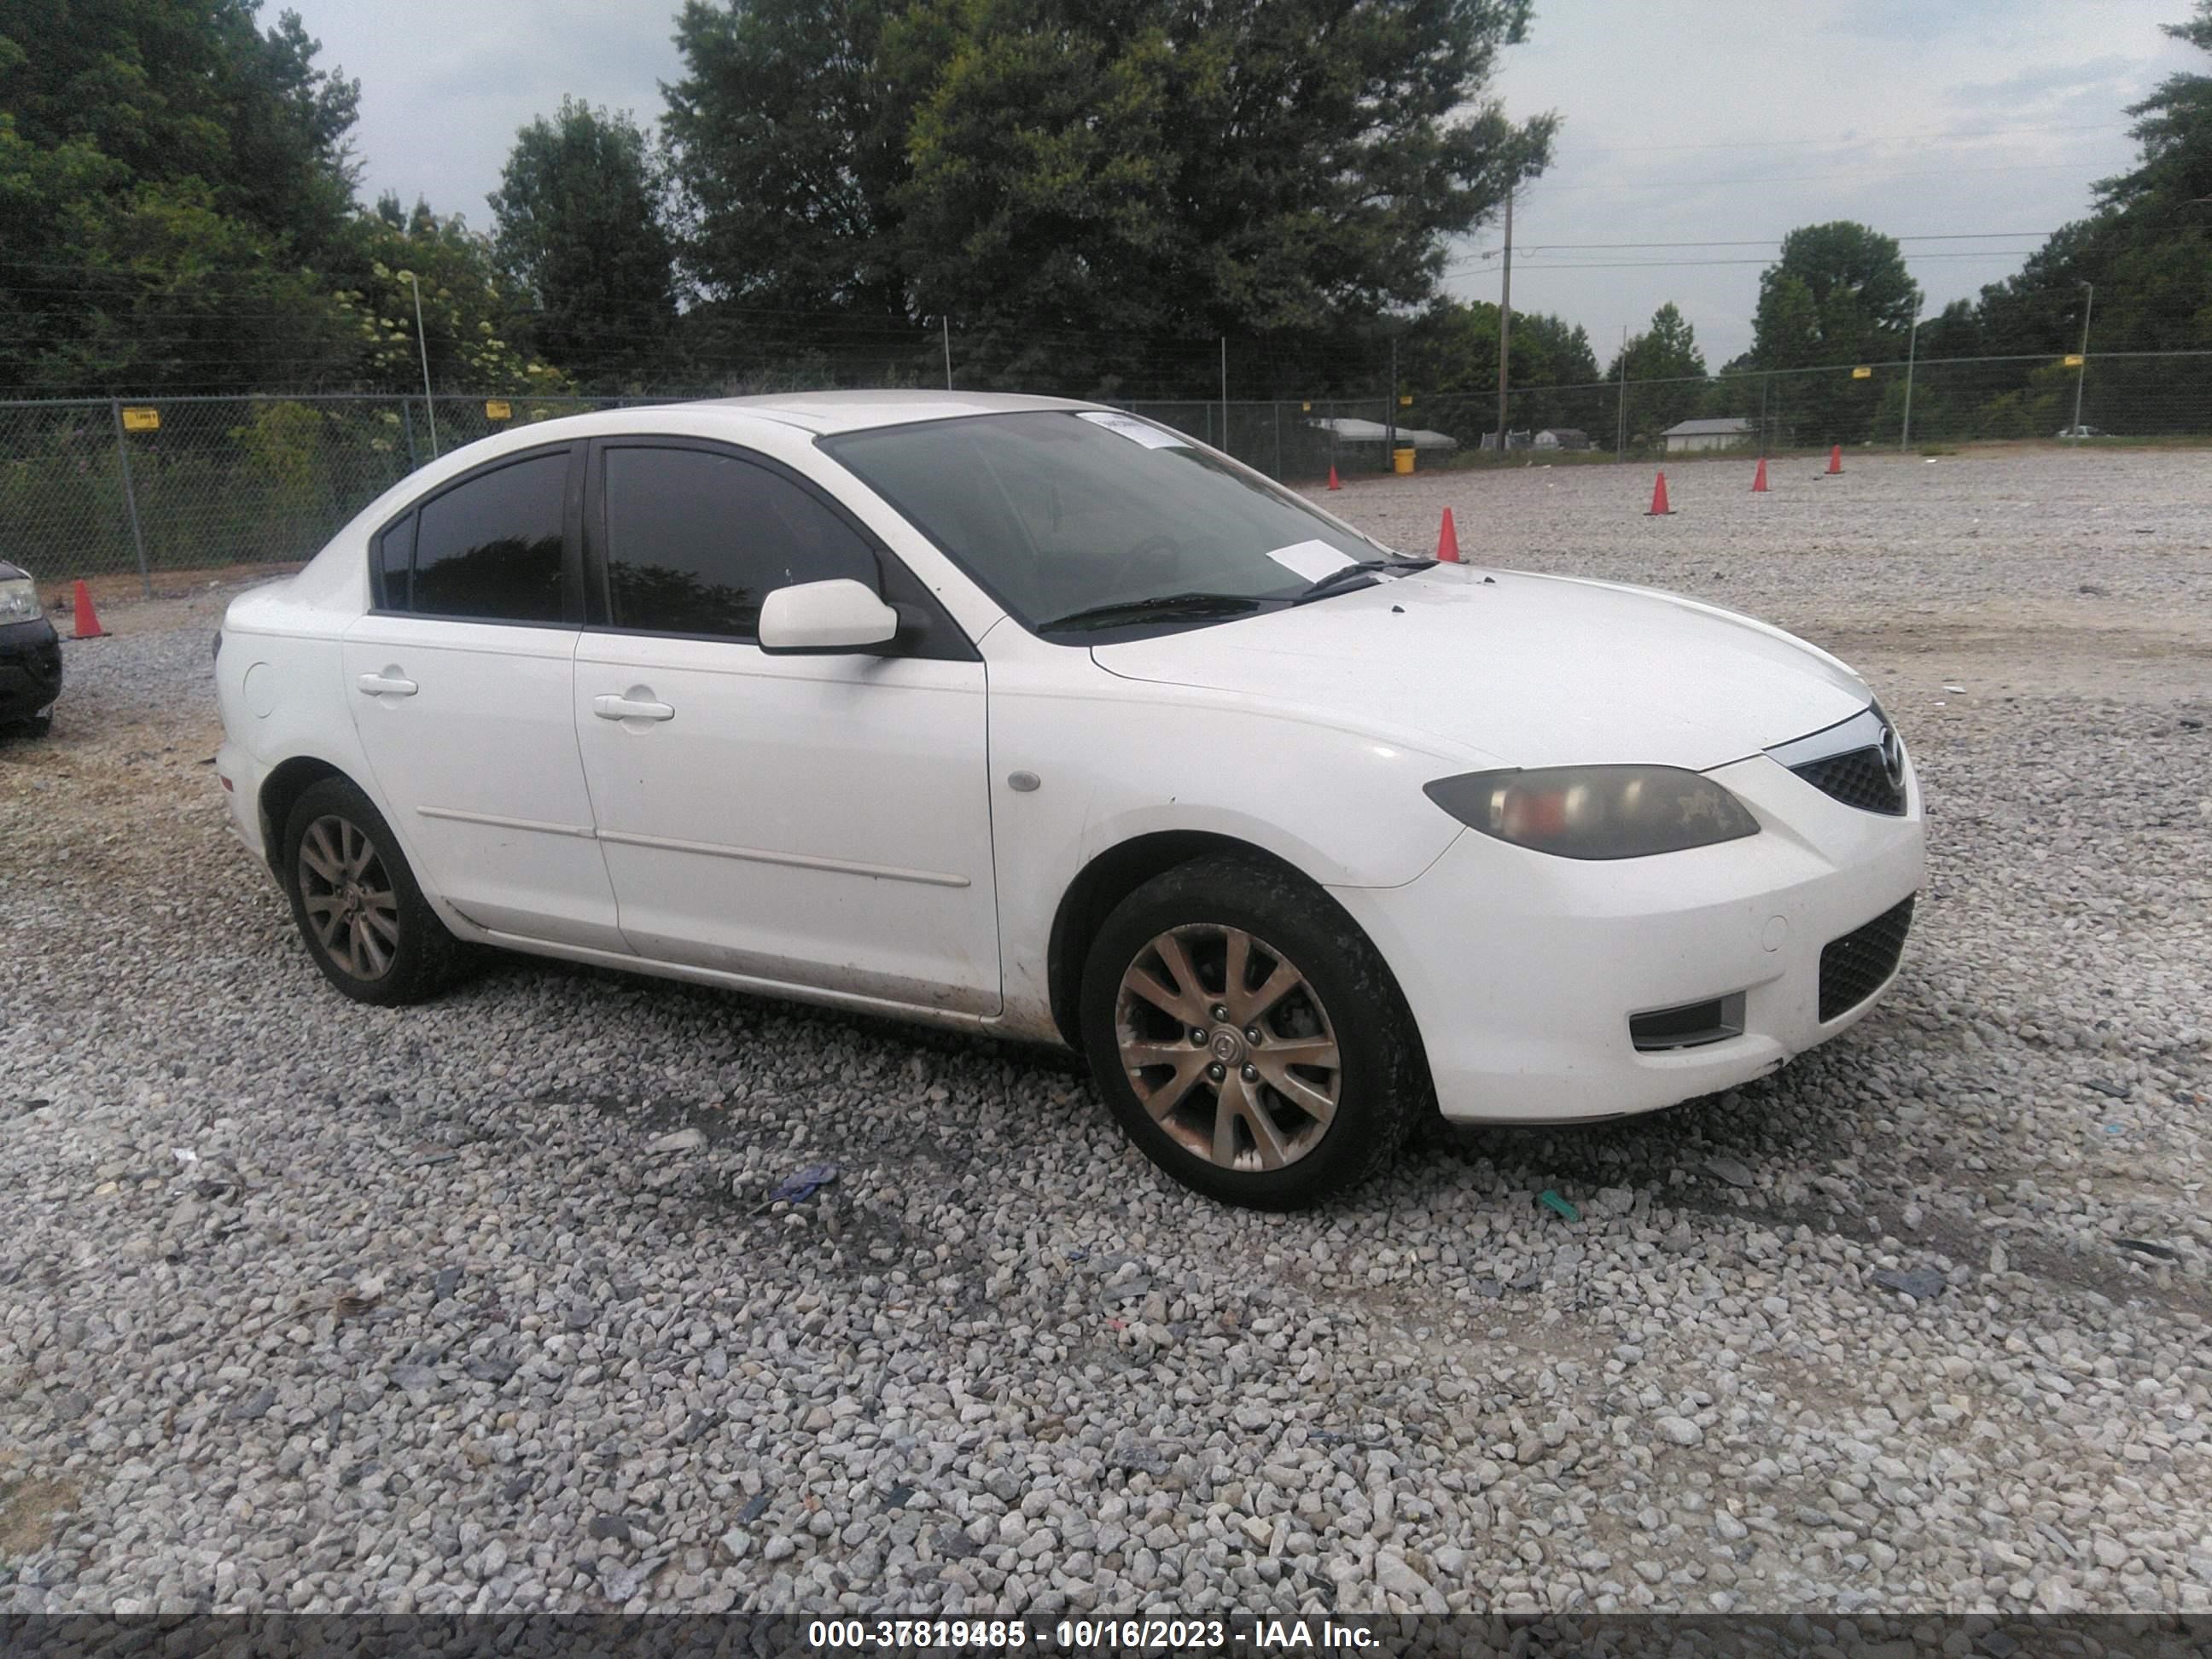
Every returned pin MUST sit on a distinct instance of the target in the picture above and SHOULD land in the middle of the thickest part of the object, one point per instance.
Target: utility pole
(1504, 321)
(1911, 351)
(1224, 395)
(1620, 438)
(1390, 415)
(2082, 370)
(422, 344)
(130, 494)
(945, 322)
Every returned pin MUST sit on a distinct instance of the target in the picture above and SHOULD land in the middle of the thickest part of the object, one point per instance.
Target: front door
(462, 685)
(819, 821)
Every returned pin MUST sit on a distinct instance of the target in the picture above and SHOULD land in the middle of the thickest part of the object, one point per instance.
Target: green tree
(171, 91)
(1660, 374)
(2147, 249)
(1085, 189)
(169, 175)
(1839, 295)
(787, 136)
(580, 229)
(472, 316)
(2174, 132)
(1448, 360)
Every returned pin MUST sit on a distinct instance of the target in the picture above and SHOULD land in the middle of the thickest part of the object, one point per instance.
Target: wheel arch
(283, 786)
(1110, 877)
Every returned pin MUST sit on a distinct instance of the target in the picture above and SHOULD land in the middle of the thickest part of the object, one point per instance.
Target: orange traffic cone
(1835, 462)
(1448, 541)
(1332, 483)
(1659, 507)
(87, 619)
(1758, 478)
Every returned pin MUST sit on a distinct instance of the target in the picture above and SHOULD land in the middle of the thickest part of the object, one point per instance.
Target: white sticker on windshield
(1312, 560)
(1136, 431)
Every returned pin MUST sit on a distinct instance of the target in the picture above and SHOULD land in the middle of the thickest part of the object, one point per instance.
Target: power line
(1675, 181)
(1667, 264)
(1776, 242)
(1922, 139)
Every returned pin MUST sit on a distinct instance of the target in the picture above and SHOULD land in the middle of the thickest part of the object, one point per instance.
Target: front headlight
(19, 600)
(1596, 811)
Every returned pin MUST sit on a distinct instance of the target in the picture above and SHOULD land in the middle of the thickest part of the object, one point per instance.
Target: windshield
(1057, 513)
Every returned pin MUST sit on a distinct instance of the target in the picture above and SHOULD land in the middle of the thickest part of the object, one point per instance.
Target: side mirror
(824, 618)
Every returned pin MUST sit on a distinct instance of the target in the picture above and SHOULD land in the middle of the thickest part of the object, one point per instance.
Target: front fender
(1115, 760)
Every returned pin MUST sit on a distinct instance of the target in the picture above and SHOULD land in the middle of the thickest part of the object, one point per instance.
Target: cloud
(445, 86)
(1727, 122)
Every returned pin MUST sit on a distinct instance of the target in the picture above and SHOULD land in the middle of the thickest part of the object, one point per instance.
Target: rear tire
(29, 730)
(357, 905)
(1249, 1036)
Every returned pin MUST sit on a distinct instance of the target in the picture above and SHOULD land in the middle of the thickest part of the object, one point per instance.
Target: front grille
(1855, 966)
(1858, 779)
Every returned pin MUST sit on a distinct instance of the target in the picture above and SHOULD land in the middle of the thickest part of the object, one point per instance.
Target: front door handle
(390, 683)
(612, 707)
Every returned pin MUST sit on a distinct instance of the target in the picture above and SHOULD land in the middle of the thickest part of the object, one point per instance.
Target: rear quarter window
(490, 549)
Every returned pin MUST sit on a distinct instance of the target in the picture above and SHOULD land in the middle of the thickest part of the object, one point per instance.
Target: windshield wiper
(1334, 581)
(1165, 606)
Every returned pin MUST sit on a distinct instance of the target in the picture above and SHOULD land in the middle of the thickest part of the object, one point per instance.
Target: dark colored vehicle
(30, 656)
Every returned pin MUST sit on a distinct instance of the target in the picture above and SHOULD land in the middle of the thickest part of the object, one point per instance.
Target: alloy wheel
(349, 897)
(1228, 1048)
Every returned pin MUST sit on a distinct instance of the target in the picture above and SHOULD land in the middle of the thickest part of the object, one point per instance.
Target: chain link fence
(2139, 397)
(128, 487)
(132, 486)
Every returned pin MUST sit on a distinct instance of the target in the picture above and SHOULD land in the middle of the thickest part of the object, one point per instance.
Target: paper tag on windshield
(1136, 431)
(1312, 560)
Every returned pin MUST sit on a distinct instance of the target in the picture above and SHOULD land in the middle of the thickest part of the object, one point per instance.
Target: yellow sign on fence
(498, 408)
(1405, 402)
(1863, 373)
(141, 420)
(2073, 360)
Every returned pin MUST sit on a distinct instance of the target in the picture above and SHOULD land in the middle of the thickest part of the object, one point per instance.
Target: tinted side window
(696, 540)
(491, 547)
(395, 552)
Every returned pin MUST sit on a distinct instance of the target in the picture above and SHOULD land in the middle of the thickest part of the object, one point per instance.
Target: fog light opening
(1687, 1025)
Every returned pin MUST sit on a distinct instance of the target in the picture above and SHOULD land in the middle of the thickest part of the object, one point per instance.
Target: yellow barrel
(1401, 461)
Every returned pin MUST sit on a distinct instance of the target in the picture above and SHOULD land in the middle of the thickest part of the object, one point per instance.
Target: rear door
(462, 681)
(819, 820)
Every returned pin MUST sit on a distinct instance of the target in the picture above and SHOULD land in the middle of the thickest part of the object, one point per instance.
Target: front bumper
(30, 668)
(1524, 970)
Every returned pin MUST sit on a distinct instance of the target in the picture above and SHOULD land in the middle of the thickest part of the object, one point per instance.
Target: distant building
(1562, 437)
(1690, 435)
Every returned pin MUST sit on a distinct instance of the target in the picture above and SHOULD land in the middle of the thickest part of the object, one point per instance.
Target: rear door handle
(390, 683)
(612, 707)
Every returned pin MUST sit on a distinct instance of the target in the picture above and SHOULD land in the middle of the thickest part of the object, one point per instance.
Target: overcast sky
(1685, 121)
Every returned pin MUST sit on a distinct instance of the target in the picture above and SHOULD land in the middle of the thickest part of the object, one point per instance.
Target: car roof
(825, 412)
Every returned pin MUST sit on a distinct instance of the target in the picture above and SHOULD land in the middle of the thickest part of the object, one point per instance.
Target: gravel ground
(481, 1305)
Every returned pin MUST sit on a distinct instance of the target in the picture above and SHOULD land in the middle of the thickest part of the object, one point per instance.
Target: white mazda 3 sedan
(1030, 717)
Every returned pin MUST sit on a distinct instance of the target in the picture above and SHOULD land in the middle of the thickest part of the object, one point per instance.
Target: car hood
(1527, 670)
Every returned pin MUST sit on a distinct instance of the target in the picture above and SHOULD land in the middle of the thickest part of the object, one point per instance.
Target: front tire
(358, 906)
(1249, 1036)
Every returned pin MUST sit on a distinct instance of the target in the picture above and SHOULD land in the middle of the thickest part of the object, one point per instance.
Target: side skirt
(996, 1024)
